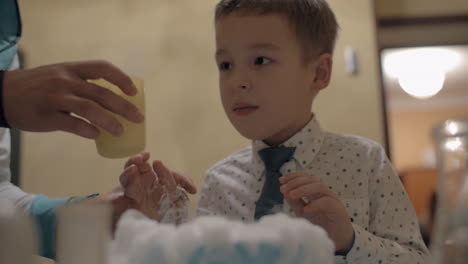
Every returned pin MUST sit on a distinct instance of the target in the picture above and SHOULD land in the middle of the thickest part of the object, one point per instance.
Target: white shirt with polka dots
(354, 168)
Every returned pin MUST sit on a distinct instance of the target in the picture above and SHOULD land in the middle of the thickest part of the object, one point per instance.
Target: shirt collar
(307, 142)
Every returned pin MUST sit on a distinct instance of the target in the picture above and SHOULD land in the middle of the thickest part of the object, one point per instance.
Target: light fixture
(422, 85)
(452, 128)
(453, 144)
(420, 71)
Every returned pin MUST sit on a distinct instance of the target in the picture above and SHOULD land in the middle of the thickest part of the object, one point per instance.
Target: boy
(274, 56)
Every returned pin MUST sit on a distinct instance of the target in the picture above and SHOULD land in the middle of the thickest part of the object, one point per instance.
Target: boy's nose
(239, 79)
(242, 86)
(242, 83)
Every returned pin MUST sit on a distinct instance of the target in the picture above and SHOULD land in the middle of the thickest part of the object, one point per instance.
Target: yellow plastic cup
(133, 139)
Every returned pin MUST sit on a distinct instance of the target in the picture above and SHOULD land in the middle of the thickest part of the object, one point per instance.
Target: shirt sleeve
(208, 203)
(393, 235)
(8, 191)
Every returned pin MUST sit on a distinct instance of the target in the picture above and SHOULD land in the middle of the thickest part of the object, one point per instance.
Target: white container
(83, 233)
(18, 243)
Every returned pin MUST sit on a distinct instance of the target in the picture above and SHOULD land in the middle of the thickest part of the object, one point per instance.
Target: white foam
(208, 239)
(174, 208)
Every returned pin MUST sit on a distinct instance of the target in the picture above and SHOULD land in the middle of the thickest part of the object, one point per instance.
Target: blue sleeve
(10, 31)
(43, 211)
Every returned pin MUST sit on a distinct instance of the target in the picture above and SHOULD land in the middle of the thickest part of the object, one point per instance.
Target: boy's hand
(180, 179)
(314, 201)
(148, 185)
(140, 184)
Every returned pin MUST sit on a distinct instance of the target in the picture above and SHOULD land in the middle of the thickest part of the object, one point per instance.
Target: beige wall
(352, 104)
(410, 134)
(170, 44)
(420, 8)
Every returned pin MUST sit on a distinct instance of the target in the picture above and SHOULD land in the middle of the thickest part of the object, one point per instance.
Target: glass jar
(450, 239)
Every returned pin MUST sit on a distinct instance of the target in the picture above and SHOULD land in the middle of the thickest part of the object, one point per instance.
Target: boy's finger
(137, 159)
(319, 205)
(164, 176)
(185, 182)
(144, 167)
(296, 205)
(285, 179)
(145, 156)
(296, 182)
(134, 188)
(148, 176)
(127, 174)
(310, 191)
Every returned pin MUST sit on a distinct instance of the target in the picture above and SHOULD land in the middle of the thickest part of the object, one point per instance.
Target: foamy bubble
(174, 208)
(210, 239)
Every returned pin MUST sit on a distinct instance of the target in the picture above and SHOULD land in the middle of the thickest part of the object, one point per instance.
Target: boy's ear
(323, 70)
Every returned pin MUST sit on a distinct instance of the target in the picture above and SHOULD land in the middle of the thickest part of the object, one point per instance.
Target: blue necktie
(273, 158)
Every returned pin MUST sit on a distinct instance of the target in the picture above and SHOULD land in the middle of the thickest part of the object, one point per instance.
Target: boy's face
(266, 86)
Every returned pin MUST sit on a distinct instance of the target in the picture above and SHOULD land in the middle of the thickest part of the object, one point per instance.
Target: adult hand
(43, 99)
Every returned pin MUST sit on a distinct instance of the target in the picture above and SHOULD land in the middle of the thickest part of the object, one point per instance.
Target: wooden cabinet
(420, 185)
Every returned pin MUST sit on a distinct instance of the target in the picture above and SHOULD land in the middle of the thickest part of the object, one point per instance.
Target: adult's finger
(109, 100)
(102, 69)
(92, 112)
(185, 182)
(68, 123)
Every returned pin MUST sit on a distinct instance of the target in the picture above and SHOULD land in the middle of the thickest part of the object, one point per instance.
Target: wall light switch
(351, 61)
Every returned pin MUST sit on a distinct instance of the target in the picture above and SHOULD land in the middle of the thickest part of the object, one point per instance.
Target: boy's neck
(287, 133)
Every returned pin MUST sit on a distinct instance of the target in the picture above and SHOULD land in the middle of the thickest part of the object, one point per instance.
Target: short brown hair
(314, 21)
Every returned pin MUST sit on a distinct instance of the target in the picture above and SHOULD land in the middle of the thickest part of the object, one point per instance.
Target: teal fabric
(43, 211)
(273, 158)
(6, 57)
(10, 31)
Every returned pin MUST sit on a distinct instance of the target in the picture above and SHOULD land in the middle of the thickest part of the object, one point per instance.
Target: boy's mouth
(243, 109)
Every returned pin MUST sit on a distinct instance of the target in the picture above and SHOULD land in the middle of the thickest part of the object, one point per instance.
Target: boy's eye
(224, 66)
(262, 61)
